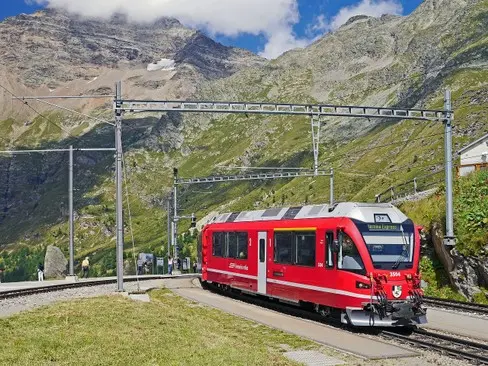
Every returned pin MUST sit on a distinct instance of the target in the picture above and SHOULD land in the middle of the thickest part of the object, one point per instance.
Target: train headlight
(362, 285)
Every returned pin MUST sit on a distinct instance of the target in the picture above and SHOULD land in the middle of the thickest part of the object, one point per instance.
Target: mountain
(387, 61)
(51, 52)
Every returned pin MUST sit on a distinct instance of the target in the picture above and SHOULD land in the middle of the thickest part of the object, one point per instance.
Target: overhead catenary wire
(40, 114)
(126, 180)
(378, 147)
(72, 111)
(95, 96)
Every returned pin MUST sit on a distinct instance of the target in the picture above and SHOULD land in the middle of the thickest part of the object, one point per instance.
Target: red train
(357, 261)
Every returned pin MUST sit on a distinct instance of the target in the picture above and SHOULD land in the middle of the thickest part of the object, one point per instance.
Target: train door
(262, 239)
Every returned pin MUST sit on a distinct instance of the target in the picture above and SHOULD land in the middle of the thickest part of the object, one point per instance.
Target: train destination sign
(383, 227)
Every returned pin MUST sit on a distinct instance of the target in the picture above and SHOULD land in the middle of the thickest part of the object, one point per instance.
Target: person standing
(195, 267)
(170, 265)
(85, 266)
(40, 272)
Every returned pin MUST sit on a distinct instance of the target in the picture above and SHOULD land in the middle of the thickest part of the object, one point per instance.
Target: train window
(283, 248)
(262, 249)
(231, 245)
(295, 248)
(349, 258)
(305, 249)
(236, 245)
(218, 244)
(242, 240)
(329, 256)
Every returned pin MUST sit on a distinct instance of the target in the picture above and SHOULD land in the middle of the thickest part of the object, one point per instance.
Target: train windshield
(390, 246)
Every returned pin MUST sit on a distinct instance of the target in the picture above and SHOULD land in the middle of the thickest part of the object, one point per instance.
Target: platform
(9, 286)
(475, 327)
(344, 341)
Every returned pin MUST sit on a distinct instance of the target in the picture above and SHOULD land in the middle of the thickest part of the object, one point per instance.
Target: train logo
(397, 291)
(237, 266)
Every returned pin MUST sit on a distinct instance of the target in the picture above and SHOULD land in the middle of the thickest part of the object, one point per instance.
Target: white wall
(474, 155)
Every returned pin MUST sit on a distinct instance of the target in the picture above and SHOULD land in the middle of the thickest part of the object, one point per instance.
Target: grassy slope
(146, 333)
(471, 228)
(365, 164)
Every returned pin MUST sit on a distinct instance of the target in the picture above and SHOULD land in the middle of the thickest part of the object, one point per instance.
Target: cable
(378, 147)
(126, 178)
(40, 114)
(73, 111)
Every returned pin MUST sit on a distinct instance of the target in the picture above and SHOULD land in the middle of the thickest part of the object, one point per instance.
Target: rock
(482, 270)
(437, 237)
(129, 268)
(464, 276)
(55, 263)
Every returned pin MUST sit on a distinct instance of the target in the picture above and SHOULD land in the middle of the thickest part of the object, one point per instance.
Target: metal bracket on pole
(315, 122)
(449, 238)
(118, 187)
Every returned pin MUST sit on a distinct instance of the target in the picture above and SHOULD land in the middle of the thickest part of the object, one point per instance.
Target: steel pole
(449, 238)
(331, 186)
(170, 235)
(71, 225)
(175, 220)
(118, 188)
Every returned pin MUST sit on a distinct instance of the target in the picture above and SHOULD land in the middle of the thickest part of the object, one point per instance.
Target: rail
(458, 305)
(95, 282)
(452, 346)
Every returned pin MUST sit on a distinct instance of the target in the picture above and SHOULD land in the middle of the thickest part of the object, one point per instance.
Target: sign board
(160, 261)
(146, 257)
(384, 227)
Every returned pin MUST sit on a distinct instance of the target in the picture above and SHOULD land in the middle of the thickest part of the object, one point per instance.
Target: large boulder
(464, 276)
(55, 263)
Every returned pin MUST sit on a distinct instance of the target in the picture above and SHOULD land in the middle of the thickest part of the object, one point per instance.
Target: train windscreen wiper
(406, 249)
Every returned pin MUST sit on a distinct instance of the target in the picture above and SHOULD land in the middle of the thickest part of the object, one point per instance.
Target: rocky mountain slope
(52, 52)
(404, 61)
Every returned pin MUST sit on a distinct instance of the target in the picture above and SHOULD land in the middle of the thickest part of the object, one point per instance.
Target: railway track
(474, 352)
(458, 305)
(456, 347)
(64, 286)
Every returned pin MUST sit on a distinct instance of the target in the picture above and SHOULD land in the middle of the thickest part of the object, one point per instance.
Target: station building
(474, 156)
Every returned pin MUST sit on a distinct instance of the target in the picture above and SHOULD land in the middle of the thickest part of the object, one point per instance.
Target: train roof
(366, 212)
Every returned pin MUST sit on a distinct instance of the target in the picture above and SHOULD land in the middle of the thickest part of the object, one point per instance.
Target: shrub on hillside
(471, 213)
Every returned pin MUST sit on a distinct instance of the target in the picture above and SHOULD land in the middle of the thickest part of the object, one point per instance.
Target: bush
(471, 213)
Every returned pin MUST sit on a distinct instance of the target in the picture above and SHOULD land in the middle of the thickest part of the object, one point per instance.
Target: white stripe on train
(294, 284)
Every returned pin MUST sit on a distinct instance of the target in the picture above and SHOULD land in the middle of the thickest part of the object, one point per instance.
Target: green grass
(113, 330)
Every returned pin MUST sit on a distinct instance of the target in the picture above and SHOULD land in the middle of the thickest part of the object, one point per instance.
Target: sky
(266, 27)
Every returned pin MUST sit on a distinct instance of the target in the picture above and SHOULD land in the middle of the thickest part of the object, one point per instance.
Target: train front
(389, 245)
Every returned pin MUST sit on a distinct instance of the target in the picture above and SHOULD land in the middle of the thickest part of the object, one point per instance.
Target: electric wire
(40, 114)
(127, 182)
(73, 111)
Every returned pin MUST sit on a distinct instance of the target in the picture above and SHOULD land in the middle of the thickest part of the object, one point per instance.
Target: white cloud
(272, 18)
(366, 7)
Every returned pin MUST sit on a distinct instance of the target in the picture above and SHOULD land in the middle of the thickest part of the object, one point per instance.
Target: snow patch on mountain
(163, 64)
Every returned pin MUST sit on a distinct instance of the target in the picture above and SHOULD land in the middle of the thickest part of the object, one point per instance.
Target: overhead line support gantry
(314, 112)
